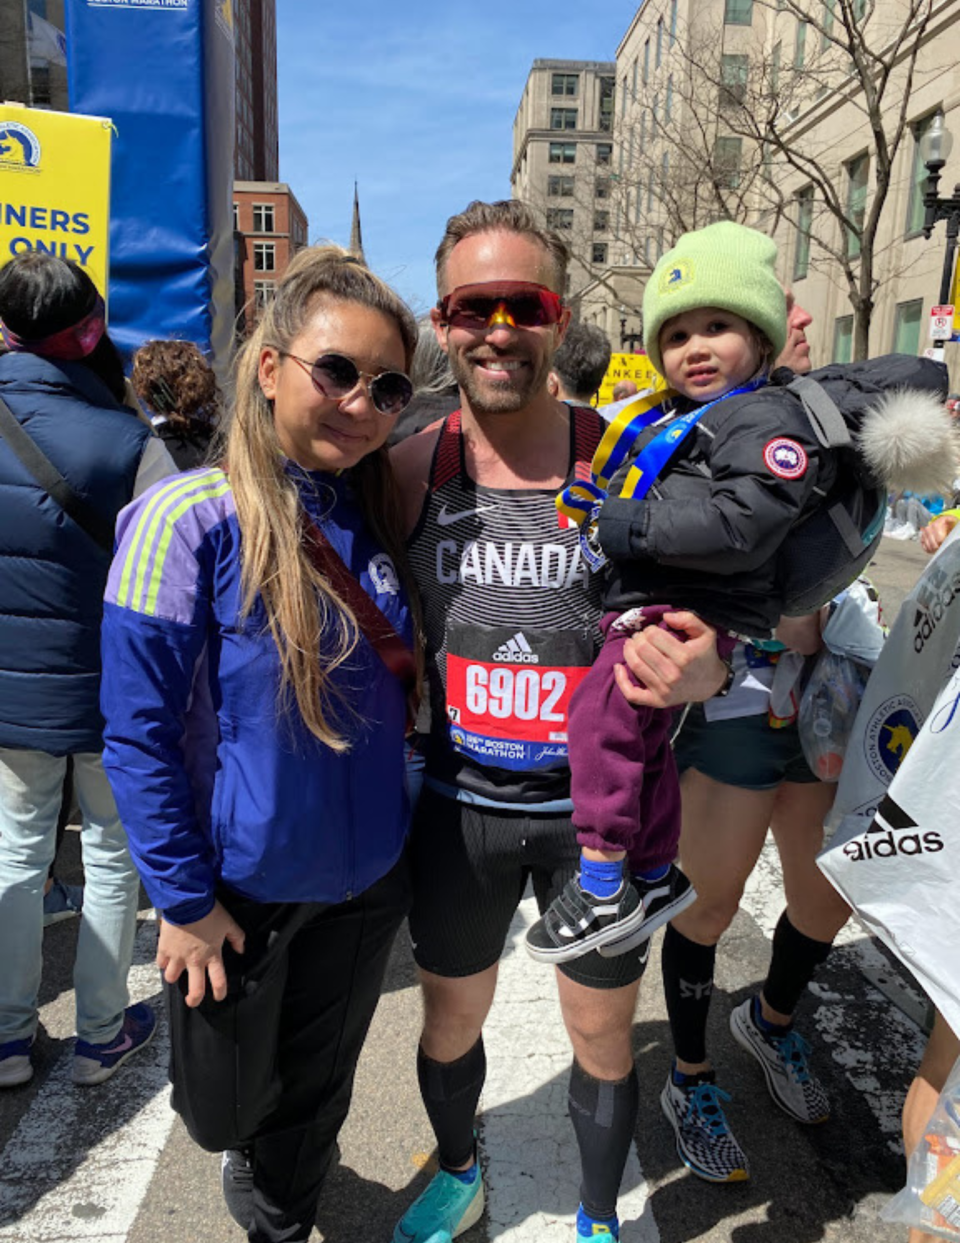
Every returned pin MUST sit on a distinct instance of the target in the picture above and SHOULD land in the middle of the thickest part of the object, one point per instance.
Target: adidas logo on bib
(517, 651)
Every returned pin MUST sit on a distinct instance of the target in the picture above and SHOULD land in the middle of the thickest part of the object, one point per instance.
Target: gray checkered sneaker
(784, 1062)
(705, 1143)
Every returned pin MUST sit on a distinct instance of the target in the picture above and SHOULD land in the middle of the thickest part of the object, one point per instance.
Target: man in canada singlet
(511, 612)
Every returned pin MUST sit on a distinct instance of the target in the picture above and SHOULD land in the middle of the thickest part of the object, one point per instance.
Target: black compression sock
(604, 1116)
(793, 964)
(688, 985)
(451, 1091)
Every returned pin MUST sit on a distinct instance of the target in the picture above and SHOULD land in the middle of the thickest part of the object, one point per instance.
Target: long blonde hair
(303, 611)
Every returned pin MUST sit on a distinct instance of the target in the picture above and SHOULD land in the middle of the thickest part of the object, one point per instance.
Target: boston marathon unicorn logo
(676, 276)
(19, 146)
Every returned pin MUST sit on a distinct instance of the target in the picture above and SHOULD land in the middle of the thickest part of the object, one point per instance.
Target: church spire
(356, 236)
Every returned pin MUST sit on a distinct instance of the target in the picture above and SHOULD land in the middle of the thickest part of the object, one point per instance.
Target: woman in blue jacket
(254, 737)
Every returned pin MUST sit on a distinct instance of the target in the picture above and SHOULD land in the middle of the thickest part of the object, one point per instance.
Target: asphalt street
(113, 1165)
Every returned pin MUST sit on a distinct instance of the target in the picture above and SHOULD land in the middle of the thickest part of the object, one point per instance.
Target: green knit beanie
(725, 265)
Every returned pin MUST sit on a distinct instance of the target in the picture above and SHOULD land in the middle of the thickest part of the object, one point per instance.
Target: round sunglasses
(336, 376)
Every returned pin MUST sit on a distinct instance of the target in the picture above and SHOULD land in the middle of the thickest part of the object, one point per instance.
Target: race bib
(508, 693)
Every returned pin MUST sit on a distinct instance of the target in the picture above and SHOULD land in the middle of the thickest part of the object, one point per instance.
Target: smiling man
(511, 613)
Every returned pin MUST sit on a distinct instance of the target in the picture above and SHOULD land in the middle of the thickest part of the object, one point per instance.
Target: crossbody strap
(377, 630)
(49, 478)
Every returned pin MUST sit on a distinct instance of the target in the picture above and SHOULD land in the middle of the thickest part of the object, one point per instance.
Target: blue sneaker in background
(95, 1063)
(61, 902)
(15, 1064)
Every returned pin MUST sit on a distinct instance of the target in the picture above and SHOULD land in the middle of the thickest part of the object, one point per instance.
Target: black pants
(335, 971)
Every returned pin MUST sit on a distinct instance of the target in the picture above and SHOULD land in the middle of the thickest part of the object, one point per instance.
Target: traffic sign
(941, 323)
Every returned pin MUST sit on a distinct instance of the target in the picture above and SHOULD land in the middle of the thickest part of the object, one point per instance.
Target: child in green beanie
(715, 319)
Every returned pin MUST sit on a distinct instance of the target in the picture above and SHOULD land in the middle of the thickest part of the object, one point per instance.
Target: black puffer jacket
(707, 535)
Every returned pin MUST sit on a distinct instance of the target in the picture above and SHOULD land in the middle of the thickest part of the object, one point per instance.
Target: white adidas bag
(895, 855)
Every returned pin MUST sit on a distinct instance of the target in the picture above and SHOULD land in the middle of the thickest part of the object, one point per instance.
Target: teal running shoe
(446, 1209)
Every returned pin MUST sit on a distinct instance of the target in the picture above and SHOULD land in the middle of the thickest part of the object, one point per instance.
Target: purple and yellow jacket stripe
(217, 784)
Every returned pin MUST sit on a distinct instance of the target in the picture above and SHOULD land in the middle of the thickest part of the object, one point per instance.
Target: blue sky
(416, 101)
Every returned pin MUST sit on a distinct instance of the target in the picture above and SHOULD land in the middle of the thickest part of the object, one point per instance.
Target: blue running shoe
(15, 1064)
(95, 1063)
(705, 1143)
(446, 1209)
(784, 1060)
(61, 902)
(589, 1229)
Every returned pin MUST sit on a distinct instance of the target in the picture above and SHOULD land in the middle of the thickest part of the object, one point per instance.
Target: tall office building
(257, 154)
(33, 68)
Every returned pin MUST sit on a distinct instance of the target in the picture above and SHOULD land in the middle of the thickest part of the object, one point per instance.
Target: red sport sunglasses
(520, 304)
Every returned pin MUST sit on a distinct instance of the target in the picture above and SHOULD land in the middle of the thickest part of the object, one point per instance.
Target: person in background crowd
(224, 624)
(579, 365)
(178, 386)
(623, 389)
(480, 492)
(63, 382)
(742, 772)
(435, 390)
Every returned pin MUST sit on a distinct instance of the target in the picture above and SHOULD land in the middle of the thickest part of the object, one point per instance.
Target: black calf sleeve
(604, 1116)
(795, 959)
(450, 1092)
(687, 969)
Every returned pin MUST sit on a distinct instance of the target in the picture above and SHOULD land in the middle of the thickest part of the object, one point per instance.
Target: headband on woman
(69, 344)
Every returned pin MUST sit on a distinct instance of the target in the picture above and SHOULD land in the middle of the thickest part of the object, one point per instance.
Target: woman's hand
(197, 949)
(934, 533)
(672, 671)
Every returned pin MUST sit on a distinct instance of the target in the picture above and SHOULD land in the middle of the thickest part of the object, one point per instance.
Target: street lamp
(935, 147)
(628, 338)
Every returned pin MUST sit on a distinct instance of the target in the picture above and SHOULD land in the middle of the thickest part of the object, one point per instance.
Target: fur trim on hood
(910, 442)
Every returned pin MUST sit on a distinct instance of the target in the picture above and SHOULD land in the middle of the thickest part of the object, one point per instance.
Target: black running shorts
(470, 869)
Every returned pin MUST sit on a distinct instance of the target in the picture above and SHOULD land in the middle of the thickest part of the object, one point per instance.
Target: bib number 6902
(524, 694)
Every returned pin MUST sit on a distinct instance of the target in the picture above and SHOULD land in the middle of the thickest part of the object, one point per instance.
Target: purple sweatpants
(624, 783)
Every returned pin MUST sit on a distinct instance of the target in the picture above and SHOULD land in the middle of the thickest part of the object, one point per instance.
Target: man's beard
(514, 394)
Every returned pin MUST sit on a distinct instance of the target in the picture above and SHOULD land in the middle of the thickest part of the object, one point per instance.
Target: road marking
(79, 1163)
(531, 1157)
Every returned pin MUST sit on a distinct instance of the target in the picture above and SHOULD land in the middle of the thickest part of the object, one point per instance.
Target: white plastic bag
(828, 710)
(931, 1199)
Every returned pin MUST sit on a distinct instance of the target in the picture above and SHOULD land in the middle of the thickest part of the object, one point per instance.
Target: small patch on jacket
(785, 458)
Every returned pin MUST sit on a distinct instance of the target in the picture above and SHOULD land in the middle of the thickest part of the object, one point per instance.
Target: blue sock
(654, 874)
(768, 1028)
(600, 879)
(465, 1176)
(587, 1226)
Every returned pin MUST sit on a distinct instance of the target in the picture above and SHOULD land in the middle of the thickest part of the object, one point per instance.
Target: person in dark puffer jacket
(62, 380)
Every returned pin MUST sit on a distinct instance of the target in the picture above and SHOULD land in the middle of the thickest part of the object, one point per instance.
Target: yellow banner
(55, 187)
(635, 367)
(955, 299)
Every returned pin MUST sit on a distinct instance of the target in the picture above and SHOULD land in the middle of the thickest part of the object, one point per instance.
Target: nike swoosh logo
(445, 520)
(122, 1047)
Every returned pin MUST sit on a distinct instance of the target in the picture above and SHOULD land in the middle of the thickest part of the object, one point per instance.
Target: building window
(565, 84)
(650, 191)
(563, 152)
(646, 62)
(733, 79)
(599, 254)
(801, 257)
(607, 87)
(858, 170)
(602, 188)
(236, 217)
(906, 327)
(563, 118)
(826, 29)
(601, 221)
(263, 218)
(604, 152)
(738, 12)
(263, 292)
(655, 114)
(843, 339)
(643, 129)
(560, 217)
(633, 80)
(560, 186)
(668, 105)
(918, 179)
(659, 60)
(673, 22)
(727, 153)
(800, 46)
(775, 69)
(264, 257)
